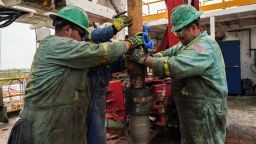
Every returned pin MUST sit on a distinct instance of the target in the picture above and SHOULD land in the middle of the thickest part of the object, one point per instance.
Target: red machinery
(115, 108)
(163, 93)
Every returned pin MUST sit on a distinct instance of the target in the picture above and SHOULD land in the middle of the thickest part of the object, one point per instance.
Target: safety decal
(199, 49)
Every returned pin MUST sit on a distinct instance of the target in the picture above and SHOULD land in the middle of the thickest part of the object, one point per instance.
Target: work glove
(121, 21)
(135, 40)
(138, 55)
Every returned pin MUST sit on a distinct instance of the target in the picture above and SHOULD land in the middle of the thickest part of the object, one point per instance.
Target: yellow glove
(121, 21)
(135, 41)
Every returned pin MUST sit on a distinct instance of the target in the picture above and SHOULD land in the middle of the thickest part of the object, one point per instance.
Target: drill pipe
(139, 129)
(139, 124)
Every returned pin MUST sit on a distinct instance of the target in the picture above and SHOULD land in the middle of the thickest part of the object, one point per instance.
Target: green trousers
(202, 121)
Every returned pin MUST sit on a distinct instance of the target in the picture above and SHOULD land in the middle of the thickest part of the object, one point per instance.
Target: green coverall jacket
(199, 89)
(57, 94)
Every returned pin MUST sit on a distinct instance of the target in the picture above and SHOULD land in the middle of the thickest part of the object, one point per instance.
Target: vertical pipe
(139, 129)
(139, 125)
(135, 12)
(212, 27)
(250, 42)
(135, 71)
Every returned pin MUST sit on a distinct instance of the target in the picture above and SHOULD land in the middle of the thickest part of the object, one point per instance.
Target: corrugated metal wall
(246, 60)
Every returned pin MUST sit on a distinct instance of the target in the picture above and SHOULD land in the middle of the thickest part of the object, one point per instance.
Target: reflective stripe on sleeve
(166, 67)
(90, 36)
(106, 50)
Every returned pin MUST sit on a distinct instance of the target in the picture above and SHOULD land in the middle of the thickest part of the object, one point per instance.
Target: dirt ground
(5, 129)
(241, 124)
(241, 120)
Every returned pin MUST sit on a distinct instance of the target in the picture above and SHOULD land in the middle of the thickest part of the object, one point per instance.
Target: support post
(136, 107)
(212, 27)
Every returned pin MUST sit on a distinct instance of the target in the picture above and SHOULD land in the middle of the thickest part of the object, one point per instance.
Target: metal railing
(204, 5)
(160, 13)
(207, 5)
(12, 91)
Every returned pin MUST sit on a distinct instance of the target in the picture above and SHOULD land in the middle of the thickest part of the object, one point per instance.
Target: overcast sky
(18, 45)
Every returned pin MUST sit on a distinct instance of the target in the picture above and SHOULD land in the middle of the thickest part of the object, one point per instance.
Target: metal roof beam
(234, 10)
(155, 16)
(93, 8)
(157, 22)
(226, 4)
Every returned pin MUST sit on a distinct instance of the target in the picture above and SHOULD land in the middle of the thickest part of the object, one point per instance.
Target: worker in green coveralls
(58, 90)
(197, 67)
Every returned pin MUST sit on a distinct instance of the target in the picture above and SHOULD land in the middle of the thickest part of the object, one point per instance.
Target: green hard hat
(74, 14)
(183, 15)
